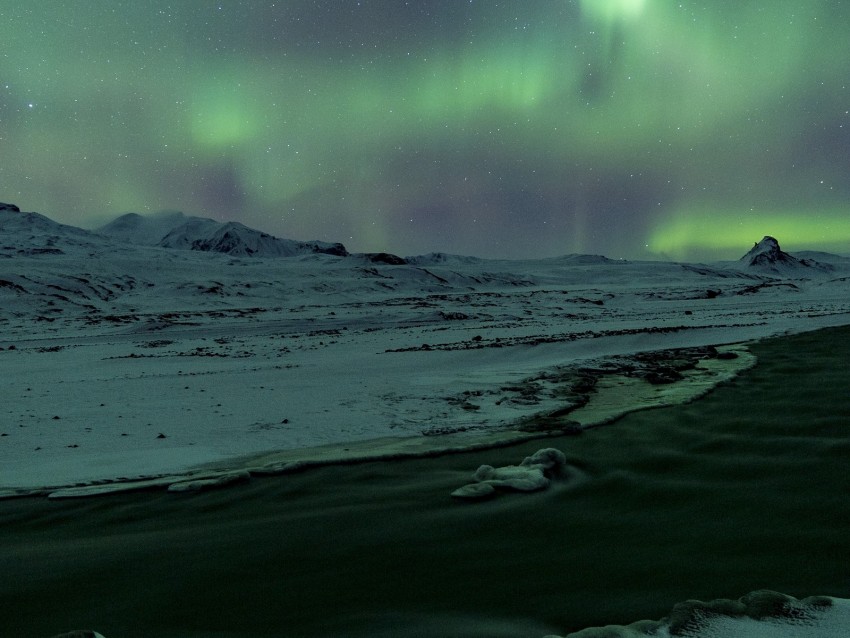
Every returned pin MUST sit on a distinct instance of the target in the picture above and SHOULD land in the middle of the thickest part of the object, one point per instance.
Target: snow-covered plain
(124, 360)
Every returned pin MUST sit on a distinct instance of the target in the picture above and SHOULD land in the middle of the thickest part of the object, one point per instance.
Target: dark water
(747, 488)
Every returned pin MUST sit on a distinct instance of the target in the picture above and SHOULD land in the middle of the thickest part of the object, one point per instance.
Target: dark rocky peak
(9, 208)
(767, 255)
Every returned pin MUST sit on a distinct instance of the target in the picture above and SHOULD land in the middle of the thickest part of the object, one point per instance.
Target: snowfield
(124, 360)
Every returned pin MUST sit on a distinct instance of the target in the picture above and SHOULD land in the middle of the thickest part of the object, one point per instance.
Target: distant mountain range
(160, 269)
(176, 230)
(33, 233)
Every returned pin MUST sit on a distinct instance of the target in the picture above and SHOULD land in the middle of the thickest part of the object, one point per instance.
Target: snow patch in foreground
(759, 614)
(533, 474)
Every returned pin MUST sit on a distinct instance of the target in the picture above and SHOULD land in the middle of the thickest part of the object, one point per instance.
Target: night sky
(631, 128)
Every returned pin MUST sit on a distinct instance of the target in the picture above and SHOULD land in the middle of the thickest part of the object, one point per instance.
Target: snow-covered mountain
(143, 230)
(176, 230)
(233, 238)
(23, 233)
(767, 256)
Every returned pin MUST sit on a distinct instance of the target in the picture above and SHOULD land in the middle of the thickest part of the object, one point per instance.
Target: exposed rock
(385, 258)
(328, 248)
(455, 316)
(661, 376)
(9, 207)
(233, 238)
(432, 259)
(767, 253)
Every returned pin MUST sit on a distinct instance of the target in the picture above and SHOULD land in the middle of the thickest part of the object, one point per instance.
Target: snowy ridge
(176, 230)
(433, 259)
(23, 233)
(143, 230)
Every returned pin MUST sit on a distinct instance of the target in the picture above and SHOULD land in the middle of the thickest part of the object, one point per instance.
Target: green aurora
(633, 128)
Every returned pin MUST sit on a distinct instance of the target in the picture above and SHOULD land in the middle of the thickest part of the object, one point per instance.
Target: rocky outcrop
(767, 256)
(385, 258)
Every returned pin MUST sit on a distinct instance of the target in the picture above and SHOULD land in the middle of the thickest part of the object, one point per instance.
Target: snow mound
(522, 479)
(548, 459)
(533, 474)
(759, 614)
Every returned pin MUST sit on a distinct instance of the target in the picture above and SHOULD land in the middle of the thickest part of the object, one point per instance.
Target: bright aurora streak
(632, 128)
